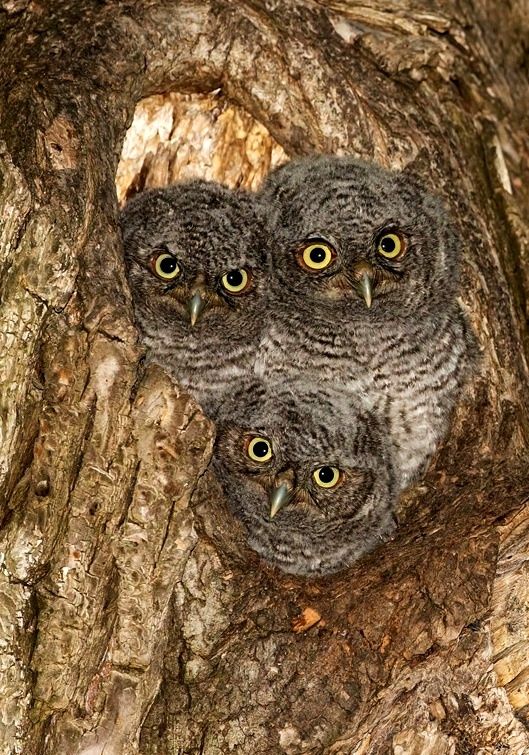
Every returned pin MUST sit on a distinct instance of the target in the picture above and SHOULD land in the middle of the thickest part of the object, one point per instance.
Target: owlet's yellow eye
(236, 281)
(316, 256)
(166, 267)
(327, 477)
(390, 245)
(259, 449)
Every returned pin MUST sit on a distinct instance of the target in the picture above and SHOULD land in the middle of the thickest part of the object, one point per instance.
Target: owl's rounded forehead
(199, 221)
(304, 427)
(336, 193)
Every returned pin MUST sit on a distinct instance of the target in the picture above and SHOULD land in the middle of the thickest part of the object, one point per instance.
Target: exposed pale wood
(176, 137)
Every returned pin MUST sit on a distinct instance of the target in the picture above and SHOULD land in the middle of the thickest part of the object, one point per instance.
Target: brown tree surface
(132, 616)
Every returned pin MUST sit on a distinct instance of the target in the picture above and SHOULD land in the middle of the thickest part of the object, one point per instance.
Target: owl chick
(197, 269)
(310, 478)
(369, 262)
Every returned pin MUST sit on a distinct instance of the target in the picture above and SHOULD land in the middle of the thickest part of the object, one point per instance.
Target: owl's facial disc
(234, 283)
(375, 272)
(370, 279)
(165, 266)
(285, 491)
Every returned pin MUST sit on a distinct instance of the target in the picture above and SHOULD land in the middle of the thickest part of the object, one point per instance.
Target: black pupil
(318, 254)
(260, 449)
(167, 265)
(234, 278)
(326, 474)
(388, 245)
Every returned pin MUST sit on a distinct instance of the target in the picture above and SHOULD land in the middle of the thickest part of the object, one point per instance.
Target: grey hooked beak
(365, 288)
(196, 307)
(279, 497)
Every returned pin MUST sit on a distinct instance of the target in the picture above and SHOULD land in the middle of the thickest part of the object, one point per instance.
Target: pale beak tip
(196, 307)
(366, 289)
(279, 498)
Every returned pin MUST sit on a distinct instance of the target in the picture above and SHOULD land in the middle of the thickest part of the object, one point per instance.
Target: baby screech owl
(369, 262)
(197, 268)
(310, 478)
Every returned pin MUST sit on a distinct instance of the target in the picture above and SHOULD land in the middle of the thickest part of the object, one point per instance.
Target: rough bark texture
(132, 616)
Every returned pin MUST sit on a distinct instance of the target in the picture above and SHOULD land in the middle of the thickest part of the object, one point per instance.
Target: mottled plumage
(180, 243)
(290, 520)
(407, 355)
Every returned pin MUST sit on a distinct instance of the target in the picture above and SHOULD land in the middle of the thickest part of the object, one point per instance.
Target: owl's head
(310, 479)
(195, 256)
(349, 235)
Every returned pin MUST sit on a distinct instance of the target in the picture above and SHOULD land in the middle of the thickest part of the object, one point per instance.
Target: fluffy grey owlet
(196, 265)
(310, 479)
(369, 263)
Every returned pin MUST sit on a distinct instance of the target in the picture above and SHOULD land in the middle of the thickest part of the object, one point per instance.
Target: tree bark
(133, 618)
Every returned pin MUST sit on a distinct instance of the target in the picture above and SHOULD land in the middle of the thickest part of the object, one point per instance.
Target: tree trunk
(132, 616)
